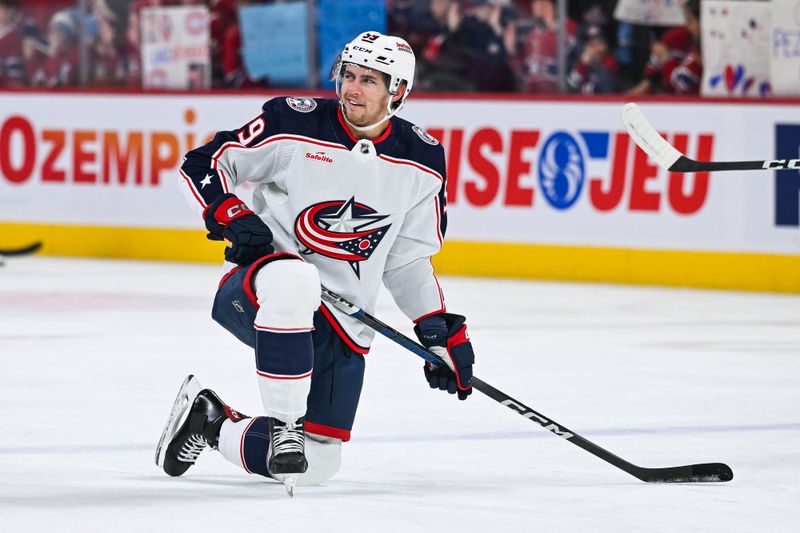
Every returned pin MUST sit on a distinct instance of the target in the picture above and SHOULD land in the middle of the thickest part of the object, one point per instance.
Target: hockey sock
(288, 295)
(284, 362)
(246, 444)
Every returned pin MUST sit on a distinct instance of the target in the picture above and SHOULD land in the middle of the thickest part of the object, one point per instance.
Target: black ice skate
(287, 448)
(193, 425)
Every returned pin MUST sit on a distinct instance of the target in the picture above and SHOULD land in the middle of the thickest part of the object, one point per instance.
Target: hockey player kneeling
(347, 196)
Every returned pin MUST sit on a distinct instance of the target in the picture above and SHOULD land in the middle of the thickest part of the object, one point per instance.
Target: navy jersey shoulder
(309, 117)
(415, 144)
(300, 115)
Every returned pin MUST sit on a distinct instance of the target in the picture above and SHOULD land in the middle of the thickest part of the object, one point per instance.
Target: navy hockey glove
(230, 219)
(445, 334)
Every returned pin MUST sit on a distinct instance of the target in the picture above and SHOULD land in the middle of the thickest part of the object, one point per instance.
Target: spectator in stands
(670, 50)
(424, 21)
(675, 65)
(640, 23)
(34, 48)
(595, 71)
(687, 76)
(398, 12)
(224, 14)
(58, 64)
(492, 29)
(133, 44)
(109, 58)
(427, 26)
(593, 21)
(540, 48)
(233, 68)
(12, 64)
(472, 52)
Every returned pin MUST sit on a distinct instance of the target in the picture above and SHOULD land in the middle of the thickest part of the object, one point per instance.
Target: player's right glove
(228, 218)
(445, 334)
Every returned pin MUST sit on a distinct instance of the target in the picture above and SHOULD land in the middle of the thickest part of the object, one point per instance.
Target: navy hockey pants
(338, 370)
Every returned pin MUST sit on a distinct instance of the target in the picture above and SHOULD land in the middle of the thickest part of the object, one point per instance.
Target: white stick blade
(647, 138)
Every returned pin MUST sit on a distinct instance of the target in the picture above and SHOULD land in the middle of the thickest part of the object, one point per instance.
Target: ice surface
(92, 353)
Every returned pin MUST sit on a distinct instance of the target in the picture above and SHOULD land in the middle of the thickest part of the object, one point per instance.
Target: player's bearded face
(364, 94)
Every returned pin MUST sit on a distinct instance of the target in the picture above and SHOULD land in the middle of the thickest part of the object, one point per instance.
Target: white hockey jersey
(363, 212)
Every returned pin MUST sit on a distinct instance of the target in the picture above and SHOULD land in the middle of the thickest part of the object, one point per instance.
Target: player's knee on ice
(288, 293)
(324, 456)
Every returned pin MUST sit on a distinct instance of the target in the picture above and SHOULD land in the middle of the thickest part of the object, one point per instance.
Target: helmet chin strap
(363, 128)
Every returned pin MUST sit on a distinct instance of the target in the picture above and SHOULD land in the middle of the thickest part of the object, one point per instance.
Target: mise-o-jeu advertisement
(518, 171)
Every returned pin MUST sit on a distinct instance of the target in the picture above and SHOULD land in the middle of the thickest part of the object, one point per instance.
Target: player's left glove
(445, 334)
(230, 219)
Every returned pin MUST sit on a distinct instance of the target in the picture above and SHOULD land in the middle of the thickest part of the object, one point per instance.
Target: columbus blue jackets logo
(341, 230)
(301, 104)
(425, 136)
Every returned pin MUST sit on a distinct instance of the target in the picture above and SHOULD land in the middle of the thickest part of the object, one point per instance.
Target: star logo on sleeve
(206, 181)
(341, 230)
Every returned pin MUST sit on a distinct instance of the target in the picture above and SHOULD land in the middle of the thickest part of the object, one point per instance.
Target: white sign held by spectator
(175, 47)
(736, 48)
(650, 13)
(785, 56)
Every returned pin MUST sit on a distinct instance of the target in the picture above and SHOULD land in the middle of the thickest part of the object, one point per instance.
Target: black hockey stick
(705, 472)
(25, 250)
(667, 157)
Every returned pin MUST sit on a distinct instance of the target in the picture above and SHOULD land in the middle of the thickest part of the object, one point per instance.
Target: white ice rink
(92, 354)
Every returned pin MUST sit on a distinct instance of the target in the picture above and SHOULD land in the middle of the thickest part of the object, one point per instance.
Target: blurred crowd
(39, 42)
(512, 45)
(461, 45)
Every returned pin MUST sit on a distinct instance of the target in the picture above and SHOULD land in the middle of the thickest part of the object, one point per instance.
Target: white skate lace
(191, 449)
(288, 439)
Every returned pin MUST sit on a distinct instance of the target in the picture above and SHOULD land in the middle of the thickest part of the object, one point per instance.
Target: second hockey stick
(24, 250)
(697, 473)
(669, 158)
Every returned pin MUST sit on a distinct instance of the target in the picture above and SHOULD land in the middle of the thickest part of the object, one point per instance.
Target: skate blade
(186, 395)
(289, 482)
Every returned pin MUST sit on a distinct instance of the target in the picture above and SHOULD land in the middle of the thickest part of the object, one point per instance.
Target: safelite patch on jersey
(301, 103)
(425, 136)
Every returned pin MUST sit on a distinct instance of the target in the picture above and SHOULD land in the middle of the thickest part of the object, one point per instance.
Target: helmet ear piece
(398, 95)
(336, 68)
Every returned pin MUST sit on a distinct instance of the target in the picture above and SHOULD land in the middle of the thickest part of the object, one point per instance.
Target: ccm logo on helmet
(362, 49)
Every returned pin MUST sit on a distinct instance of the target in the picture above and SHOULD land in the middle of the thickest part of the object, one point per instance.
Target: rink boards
(537, 188)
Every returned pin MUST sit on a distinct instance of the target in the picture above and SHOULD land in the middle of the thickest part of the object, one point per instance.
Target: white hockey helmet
(384, 53)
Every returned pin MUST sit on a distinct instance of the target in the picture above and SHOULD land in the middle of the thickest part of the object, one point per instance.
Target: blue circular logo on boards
(561, 170)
